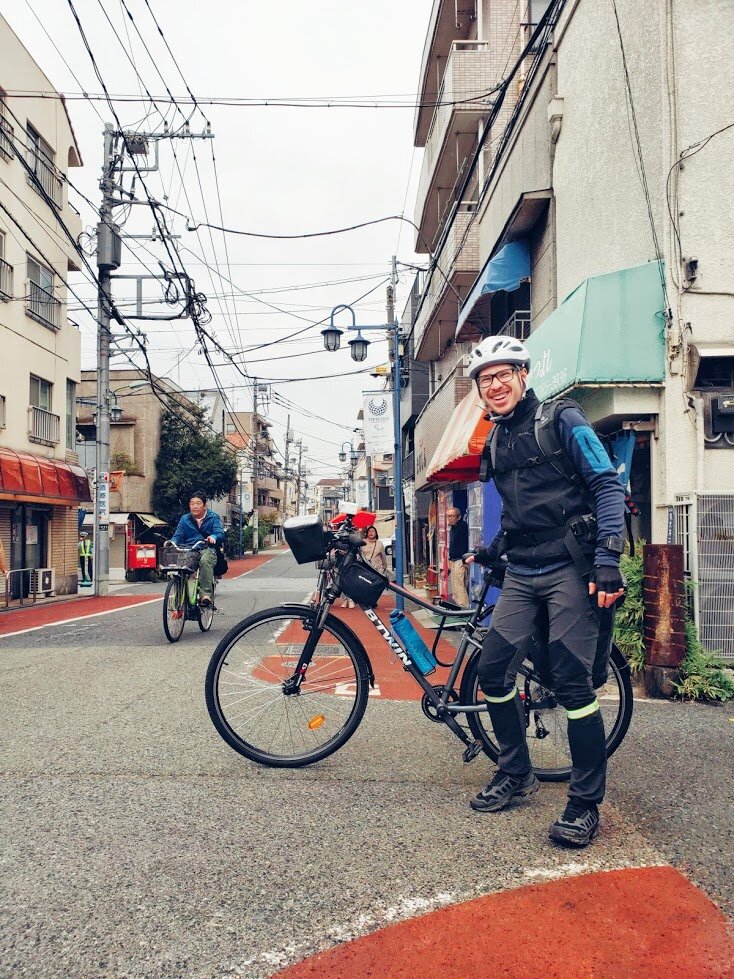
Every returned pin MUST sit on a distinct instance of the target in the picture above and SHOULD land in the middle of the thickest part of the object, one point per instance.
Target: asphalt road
(135, 843)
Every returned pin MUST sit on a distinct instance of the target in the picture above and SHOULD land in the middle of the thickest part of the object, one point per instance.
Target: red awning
(28, 478)
(458, 454)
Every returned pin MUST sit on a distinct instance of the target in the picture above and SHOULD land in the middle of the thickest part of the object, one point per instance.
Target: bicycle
(181, 600)
(288, 686)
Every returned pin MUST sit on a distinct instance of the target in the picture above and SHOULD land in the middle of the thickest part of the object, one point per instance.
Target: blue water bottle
(416, 648)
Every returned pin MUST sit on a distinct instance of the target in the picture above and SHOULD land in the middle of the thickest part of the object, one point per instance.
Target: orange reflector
(316, 721)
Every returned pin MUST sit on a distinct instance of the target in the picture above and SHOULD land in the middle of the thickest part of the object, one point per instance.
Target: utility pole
(397, 431)
(255, 465)
(300, 477)
(285, 473)
(108, 258)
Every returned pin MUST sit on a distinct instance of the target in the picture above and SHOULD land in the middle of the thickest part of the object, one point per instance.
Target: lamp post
(332, 341)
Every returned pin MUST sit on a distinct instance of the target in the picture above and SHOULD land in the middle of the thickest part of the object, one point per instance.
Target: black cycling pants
(560, 600)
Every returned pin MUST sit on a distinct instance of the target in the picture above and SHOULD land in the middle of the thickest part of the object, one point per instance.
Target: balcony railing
(6, 279)
(43, 306)
(43, 426)
(517, 326)
(6, 138)
(46, 177)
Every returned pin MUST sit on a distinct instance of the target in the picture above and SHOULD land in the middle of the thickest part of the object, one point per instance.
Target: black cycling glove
(608, 578)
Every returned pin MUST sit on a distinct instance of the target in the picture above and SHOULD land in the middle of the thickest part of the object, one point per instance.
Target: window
(6, 131)
(6, 272)
(40, 393)
(41, 159)
(41, 303)
(40, 275)
(715, 372)
(70, 415)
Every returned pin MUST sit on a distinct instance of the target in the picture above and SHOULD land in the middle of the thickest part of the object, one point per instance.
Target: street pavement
(137, 844)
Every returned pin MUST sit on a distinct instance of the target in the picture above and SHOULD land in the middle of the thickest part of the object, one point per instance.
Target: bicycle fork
(293, 684)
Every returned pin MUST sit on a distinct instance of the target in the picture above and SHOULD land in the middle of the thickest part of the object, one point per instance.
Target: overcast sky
(281, 170)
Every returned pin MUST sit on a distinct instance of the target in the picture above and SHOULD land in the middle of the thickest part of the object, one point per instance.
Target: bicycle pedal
(471, 752)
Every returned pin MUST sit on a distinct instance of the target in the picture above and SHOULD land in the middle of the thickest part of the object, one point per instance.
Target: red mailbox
(141, 556)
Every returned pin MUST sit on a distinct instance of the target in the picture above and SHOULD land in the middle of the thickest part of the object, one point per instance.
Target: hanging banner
(361, 494)
(378, 422)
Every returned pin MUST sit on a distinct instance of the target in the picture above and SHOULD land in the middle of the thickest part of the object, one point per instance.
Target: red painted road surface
(392, 682)
(649, 923)
(33, 617)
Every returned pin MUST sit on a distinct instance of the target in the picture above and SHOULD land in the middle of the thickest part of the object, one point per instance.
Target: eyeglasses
(503, 376)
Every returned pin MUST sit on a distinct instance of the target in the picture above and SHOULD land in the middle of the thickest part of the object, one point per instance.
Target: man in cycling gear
(549, 527)
(201, 524)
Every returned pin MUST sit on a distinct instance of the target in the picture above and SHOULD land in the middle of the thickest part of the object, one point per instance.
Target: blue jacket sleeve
(180, 534)
(593, 464)
(214, 527)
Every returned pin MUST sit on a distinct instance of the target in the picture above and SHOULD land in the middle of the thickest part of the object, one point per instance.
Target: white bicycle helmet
(498, 350)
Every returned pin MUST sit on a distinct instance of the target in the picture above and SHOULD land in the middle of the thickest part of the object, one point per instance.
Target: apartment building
(249, 434)
(42, 485)
(135, 437)
(604, 243)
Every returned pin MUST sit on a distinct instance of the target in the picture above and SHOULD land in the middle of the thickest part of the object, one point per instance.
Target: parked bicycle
(181, 601)
(288, 686)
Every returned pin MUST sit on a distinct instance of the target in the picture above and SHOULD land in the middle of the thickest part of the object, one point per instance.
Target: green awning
(610, 330)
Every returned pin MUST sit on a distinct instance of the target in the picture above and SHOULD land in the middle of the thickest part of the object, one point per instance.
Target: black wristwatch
(613, 544)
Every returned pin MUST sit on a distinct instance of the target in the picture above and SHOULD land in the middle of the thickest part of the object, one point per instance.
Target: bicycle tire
(256, 657)
(174, 608)
(616, 704)
(206, 617)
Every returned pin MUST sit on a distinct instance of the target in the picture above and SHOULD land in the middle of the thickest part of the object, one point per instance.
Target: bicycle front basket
(363, 584)
(186, 558)
(305, 537)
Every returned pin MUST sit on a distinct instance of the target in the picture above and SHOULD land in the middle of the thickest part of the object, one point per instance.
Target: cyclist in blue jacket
(550, 527)
(201, 524)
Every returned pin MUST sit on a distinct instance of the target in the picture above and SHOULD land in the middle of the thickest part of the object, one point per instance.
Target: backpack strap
(548, 439)
(488, 457)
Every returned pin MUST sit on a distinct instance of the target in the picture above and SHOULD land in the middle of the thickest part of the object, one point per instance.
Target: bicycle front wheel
(256, 712)
(547, 729)
(174, 608)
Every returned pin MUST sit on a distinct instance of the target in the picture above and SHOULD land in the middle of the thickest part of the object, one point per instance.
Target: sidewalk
(68, 608)
(624, 924)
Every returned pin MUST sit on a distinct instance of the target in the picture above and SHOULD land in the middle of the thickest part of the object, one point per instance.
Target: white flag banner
(377, 423)
(361, 494)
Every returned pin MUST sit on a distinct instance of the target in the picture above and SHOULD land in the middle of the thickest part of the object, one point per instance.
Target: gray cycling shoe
(578, 825)
(503, 789)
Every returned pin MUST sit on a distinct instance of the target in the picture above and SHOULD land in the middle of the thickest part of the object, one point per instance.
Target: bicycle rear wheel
(547, 729)
(174, 608)
(206, 617)
(250, 706)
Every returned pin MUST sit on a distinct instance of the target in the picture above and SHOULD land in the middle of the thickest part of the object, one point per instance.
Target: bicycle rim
(251, 711)
(174, 611)
(206, 617)
(547, 731)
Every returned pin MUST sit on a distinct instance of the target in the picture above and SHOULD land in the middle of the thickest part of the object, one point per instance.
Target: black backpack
(554, 452)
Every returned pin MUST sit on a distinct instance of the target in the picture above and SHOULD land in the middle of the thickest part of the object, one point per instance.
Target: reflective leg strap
(576, 715)
(502, 700)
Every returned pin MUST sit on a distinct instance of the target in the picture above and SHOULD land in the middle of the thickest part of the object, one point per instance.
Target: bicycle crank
(429, 709)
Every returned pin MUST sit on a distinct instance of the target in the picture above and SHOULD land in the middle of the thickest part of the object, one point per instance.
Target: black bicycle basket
(363, 584)
(187, 557)
(305, 537)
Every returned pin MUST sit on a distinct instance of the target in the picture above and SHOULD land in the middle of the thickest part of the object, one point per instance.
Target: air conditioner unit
(43, 581)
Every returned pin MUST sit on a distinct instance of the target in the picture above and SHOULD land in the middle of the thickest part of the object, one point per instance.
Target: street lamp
(332, 339)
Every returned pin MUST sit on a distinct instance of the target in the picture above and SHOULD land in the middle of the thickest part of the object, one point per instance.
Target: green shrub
(702, 675)
(628, 623)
